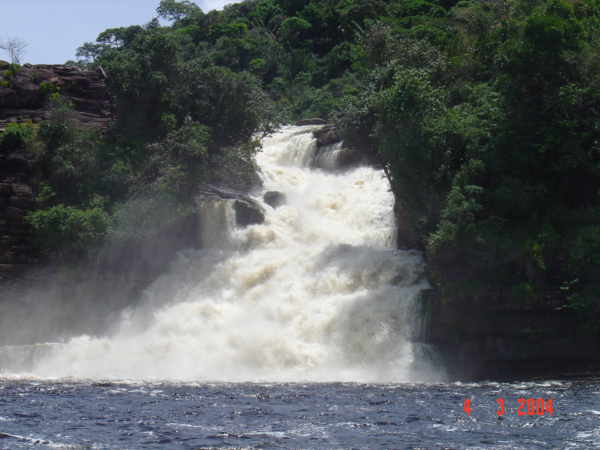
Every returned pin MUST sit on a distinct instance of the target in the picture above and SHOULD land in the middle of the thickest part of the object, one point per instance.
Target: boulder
(314, 121)
(44, 76)
(4, 65)
(327, 135)
(247, 210)
(275, 198)
(78, 80)
(28, 93)
(7, 96)
(348, 158)
(331, 159)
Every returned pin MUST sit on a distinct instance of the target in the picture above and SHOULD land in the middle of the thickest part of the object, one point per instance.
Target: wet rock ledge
(330, 156)
(247, 210)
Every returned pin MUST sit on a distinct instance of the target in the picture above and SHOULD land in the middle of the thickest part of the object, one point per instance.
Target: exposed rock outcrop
(332, 158)
(484, 331)
(330, 154)
(314, 121)
(275, 198)
(17, 178)
(23, 98)
(327, 135)
(406, 236)
(247, 210)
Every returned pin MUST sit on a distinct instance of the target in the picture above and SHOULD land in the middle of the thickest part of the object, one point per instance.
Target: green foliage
(50, 91)
(11, 72)
(417, 7)
(16, 136)
(141, 218)
(172, 10)
(291, 29)
(70, 233)
(178, 164)
(585, 305)
(486, 122)
(525, 294)
(540, 247)
(457, 216)
(585, 257)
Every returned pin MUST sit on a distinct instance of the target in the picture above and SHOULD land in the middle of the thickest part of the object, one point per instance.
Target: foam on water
(317, 292)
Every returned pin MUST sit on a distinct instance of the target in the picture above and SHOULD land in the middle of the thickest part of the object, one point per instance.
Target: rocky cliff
(23, 98)
(17, 181)
(484, 331)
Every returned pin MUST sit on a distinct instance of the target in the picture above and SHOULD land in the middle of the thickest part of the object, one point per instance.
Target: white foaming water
(328, 156)
(217, 223)
(316, 293)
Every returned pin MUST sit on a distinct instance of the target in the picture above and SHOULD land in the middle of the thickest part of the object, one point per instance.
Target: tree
(16, 48)
(175, 11)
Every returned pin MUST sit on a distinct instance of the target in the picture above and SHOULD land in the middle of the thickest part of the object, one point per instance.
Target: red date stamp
(527, 407)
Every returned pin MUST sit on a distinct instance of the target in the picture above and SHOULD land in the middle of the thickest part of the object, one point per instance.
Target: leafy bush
(178, 164)
(142, 218)
(585, 254)
(70, 233)
(16, 136)
(12, 71)
(50, 91)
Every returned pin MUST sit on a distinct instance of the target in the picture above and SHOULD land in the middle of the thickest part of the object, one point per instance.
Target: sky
(55, 28)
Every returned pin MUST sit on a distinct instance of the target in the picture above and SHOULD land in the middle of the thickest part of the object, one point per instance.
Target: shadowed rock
(23, 100)
(327, 135)
(275, 198)
(247, 210)
(315, 121)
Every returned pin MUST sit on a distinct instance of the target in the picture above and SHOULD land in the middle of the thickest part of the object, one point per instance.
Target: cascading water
(328, 157)
(217, 223)
(316, 293)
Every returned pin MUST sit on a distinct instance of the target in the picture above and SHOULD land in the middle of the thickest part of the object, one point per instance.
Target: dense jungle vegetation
(485, 114)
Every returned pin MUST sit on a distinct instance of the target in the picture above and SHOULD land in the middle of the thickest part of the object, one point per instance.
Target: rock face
(23, 98)
(314, 121)
(275, 198)
(332, 157)
(247, 210)
(327, 135)
(484, 332)
(17, 178)
(406, 236)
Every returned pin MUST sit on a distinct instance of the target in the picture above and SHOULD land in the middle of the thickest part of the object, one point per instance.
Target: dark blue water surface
(119, 415)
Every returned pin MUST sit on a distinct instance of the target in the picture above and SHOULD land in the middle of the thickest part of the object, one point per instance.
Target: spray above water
(316, 293)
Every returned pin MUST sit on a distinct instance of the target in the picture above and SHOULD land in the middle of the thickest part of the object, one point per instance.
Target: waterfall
(328, 156)
(22, 358)
(318, 292)
(217, 223)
